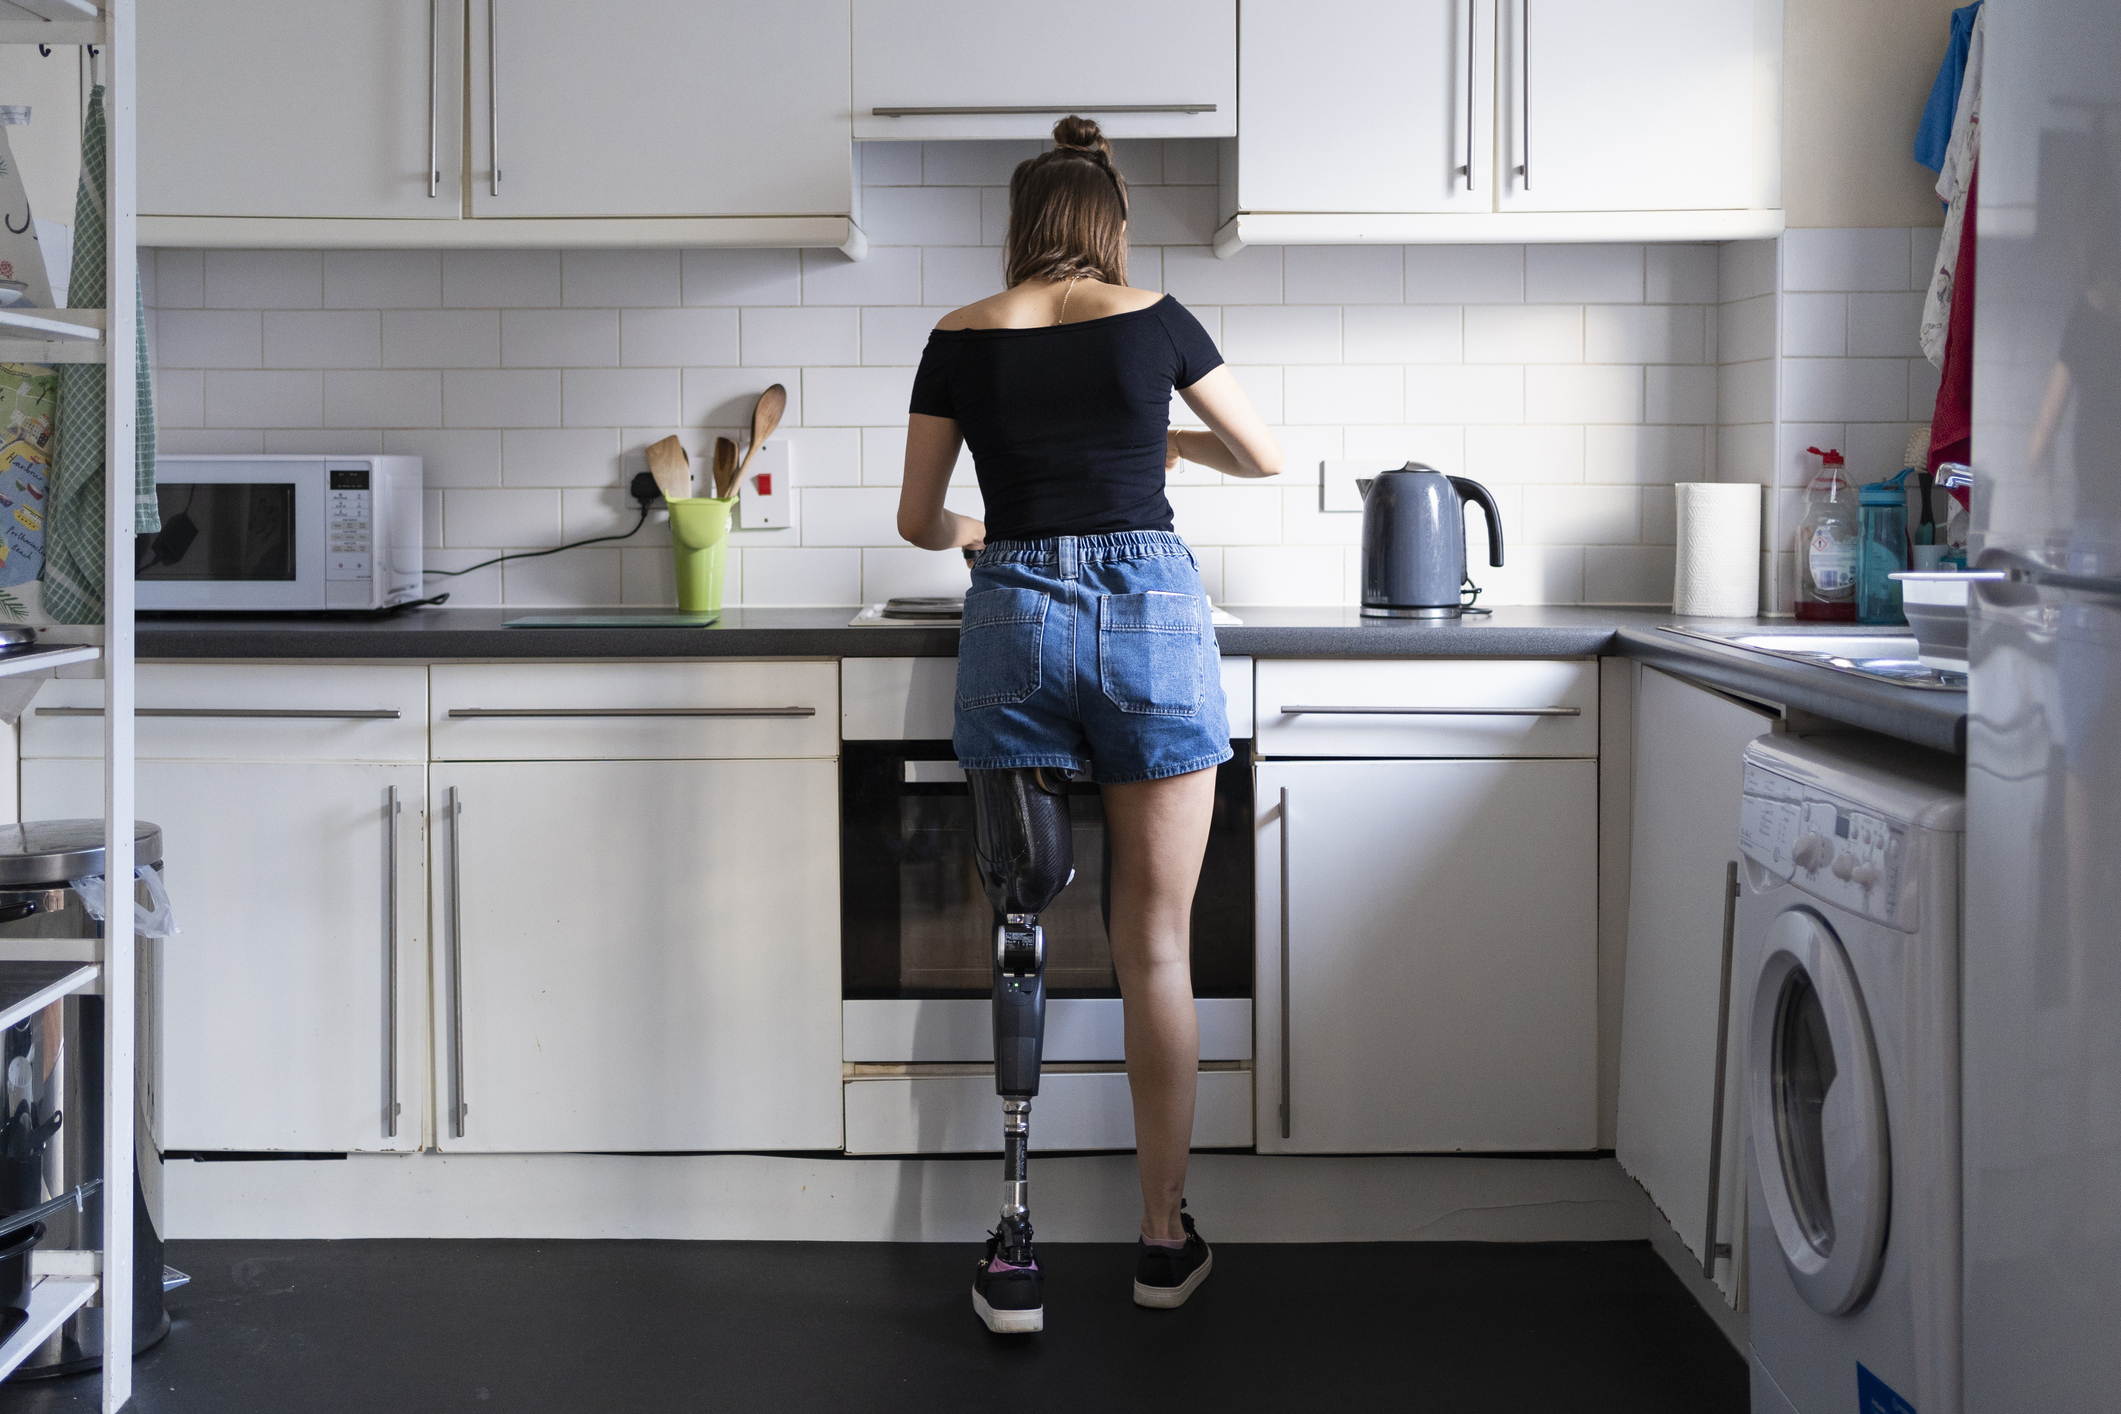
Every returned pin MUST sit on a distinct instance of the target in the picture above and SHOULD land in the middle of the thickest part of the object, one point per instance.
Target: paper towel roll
(1716, 573)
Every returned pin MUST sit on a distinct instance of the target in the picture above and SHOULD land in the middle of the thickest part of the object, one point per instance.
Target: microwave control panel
(349, 515)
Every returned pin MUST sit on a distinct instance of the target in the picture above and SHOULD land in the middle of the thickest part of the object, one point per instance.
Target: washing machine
(1849, 997)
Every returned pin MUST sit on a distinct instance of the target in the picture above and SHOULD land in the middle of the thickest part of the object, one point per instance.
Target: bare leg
(1159, 834)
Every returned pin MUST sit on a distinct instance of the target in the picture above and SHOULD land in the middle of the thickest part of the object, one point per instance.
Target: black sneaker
(1165, 1276)
(1010, 1299)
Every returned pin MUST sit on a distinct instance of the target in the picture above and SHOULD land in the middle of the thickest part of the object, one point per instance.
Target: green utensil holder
(699, 538)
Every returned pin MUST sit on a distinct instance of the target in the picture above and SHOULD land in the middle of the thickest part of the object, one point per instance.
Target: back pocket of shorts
(1149, 651)
(999, 646)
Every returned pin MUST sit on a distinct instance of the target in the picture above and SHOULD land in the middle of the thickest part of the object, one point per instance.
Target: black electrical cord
(645, 502)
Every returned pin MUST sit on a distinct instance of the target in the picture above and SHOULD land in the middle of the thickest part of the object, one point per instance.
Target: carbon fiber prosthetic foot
(1026, 850)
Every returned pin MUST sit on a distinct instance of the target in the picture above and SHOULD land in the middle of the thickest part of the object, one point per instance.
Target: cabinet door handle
(1284, 962)
(434, 101)
(1711, 1249)
(992, 110)
(366, 714)
(1524, 96)
(390, 991)
(458, 1109)
(1468, 168)
(1299, 711)
(633, 711)
(493, 102)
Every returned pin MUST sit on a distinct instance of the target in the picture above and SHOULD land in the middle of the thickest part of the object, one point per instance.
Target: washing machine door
(1817, 1111)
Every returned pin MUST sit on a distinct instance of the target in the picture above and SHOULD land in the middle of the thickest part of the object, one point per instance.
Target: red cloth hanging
(1952, 423)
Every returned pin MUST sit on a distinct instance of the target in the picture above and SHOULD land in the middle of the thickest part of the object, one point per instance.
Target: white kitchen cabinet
(1689, 780)
(1135, 68)
(1428, 981)
(277, 1006)
(660, 108)
(260, 108)
(637, 955)
(1401, 123)
(1368, 106)
(1639, 105)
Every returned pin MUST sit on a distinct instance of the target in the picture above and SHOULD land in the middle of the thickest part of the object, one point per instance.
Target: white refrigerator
(2042, 981)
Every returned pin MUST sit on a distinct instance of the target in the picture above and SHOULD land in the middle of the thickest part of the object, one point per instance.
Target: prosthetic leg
(1026, 851)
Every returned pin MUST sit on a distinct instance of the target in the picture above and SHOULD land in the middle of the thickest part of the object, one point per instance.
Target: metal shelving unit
(104, 336)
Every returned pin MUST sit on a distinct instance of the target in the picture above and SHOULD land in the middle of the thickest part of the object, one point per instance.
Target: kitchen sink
(1886, 655)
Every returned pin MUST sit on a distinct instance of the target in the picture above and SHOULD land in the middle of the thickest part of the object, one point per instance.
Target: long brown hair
(1068, 211)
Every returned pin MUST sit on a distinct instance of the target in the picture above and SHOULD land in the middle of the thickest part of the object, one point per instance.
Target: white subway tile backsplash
(888, 573)
(647, 576)
(1281, 333)
(887, 275)
(1660, 515)
(527, 520)
(1644, 455)
(994, 216)
(1193, 275)
(1922, 255)
(180, 278)
(208, 338)
(382, 279)
(466, 458)
(180, 397)
(335, 442)
(1297, 574)
(1585, 393)
(824, 456)
(1349, 393)
(1582, 515)
(739, 277)
(1525, 454)
(1140, 161)
(1161, 216)
(1678, 393)
(481, 588)
(243, 398)
(1680, 274)
(500, 279)
(897, 334)
(559, 456)
(496, 398)
(1630, 574)
(212, 442)
(1190, 162)
(1645, 333)
(829, 334)
(373, 398)
(1745, 269)
(1243, 513)
(1744, 329)
(1814, 325)
(1745, 392)
(1744, 452)
(959, 275)
(1532, 333)
(1464, 274)
(974, 164)
(1343, 274)
(334, 338)
(802, 576)
(441, 338)
(1845, 389)
(1408, 333)
(589, 577)
(856, 397)
(1304, 523)
(264, 279)
(724, 397)
(559, 338)
(1845, 259)
(678, 338)
(921, 215)
(1441, 447)
(1922, 382)
(888, 164)
(1467, 394)
(1885, 325)
(622, 397)
(636, 279)
(1589, 274)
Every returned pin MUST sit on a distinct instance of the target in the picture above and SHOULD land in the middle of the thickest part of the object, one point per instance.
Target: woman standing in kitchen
(1087, 643)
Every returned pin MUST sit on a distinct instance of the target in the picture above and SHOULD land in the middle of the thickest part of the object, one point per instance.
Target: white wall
(1578, 381)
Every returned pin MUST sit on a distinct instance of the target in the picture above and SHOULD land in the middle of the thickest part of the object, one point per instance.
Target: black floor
(409, 1326)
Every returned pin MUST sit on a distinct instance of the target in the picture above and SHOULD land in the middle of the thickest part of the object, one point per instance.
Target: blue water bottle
(1881, 519)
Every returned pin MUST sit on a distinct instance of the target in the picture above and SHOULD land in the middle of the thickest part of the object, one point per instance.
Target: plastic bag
(158, 922)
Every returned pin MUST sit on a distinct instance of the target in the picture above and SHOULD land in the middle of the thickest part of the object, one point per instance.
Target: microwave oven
(280, 533)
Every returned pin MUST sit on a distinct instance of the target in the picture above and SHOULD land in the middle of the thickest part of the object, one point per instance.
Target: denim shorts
(1093, 653)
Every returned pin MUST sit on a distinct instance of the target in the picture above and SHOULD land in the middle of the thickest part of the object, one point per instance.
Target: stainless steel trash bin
(36, 861)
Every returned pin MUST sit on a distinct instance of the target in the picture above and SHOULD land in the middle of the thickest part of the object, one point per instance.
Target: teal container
(1881, 530)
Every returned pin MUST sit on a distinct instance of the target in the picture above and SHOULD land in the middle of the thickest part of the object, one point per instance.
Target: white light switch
(1336, 483)
(764, 495)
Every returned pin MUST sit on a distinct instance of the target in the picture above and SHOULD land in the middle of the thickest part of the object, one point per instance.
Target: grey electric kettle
(1414, 542)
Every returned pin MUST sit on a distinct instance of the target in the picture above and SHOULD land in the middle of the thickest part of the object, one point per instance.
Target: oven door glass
(916, 923)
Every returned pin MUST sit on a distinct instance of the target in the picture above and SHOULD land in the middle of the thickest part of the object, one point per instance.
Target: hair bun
(1081, 134)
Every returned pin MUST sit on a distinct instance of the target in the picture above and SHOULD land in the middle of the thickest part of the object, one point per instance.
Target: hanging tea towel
(73, 529)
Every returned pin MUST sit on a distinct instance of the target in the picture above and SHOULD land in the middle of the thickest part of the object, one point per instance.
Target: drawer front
(1443, 707)
(915, 699)
(894, 1031)
(243, 712)
(960, 1114)
(634, 711)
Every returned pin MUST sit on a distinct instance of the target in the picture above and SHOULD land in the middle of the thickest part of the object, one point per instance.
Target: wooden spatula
(764, 418)
(724, 467)
(671, 468)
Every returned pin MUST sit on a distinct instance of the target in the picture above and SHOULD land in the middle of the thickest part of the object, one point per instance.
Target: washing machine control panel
(1826, 847)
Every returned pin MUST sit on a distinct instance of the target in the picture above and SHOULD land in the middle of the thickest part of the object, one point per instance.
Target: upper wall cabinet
(976, 69)
(1506, 120)
(630, 123)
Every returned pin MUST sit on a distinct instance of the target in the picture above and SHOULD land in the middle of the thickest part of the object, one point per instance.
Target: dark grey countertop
(1933, 719)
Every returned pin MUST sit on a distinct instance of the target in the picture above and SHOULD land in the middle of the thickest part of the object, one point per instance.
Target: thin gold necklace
(1063, 319)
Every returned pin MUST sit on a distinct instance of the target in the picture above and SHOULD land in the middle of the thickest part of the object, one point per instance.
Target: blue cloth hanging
(1935, 131)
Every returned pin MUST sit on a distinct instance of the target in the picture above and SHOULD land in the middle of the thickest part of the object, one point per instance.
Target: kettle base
(1386, 611)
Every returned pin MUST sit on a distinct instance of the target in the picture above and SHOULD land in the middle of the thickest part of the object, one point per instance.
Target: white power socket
(764, 492)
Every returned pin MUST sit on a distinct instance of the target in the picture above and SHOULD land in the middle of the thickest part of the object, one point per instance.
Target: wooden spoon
(724, 467)
(764, 418)
(671, 468)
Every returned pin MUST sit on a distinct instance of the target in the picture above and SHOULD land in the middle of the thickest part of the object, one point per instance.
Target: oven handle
(633, 711)
(368, 714)
(1301, 711)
